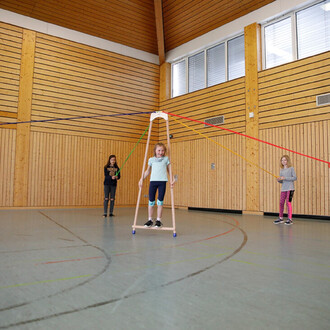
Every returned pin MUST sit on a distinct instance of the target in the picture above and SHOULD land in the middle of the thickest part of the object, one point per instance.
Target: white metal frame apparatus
(154, 115)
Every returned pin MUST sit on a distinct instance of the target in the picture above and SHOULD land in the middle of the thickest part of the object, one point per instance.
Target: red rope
(250, 137)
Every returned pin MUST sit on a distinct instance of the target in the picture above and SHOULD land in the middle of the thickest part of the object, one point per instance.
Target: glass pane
(278, 43)
(196, 72)
(216, 65)
(236, 58)
(313, 29)
(179, 78)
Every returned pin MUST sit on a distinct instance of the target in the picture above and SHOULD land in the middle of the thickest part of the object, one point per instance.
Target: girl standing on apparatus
(111, 176)
(159, 166)
(286, 178)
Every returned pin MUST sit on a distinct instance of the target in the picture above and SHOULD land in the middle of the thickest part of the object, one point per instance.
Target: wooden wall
(72, 80)
(11, 45)
(192, 154)
(288, 117)
(312, 189)
(68, 170)
(199, 185)
(7, 165)
(66, 158)
(11, 48)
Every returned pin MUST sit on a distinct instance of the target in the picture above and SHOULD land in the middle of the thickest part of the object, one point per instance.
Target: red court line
(182, 244)
(250, 137)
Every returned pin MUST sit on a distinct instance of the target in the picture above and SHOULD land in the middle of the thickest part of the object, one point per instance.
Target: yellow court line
(235, 153)
(41, 282)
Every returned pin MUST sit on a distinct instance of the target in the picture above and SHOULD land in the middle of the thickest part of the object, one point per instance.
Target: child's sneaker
(158, 224)
(104, 215)
(149, 223)
(277, 221)
(289, 222)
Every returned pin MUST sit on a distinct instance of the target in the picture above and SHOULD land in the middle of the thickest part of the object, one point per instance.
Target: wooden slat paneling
(75, 80)
(10, 44)
(312, 193)
(7, 166)
(131, 23)
(200, 186)
(68, 170)
(287, 93)
(226, 99)
(185, 20)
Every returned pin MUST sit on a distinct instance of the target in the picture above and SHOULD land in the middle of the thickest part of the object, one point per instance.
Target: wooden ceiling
(132, 22)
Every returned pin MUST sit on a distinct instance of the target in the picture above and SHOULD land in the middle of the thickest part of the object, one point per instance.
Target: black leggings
(154, 185)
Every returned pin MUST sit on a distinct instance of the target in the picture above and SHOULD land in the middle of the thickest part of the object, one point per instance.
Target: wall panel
(66, 157)
(312, 186)
(68, 170)
(227, 99)
(287, 93)
(198, 184)
(7, 166)
(73, 80)
(192, 154)
(10, 44)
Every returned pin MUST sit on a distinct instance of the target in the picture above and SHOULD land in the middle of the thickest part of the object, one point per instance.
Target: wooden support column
(165, 82)
(252, 66)
(158, 5)
(24, 114)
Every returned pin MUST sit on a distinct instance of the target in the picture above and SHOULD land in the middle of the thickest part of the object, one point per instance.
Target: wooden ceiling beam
(160, 30)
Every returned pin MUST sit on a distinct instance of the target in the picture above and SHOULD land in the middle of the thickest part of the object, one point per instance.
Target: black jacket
(108, 173)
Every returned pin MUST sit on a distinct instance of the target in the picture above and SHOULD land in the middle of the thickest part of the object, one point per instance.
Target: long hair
(159, 145)
(108, 163)
(289, 164)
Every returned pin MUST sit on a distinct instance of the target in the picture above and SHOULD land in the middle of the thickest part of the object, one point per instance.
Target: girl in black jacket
(111, 176)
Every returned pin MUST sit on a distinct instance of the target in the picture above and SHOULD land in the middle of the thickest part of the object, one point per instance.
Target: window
(236, 58)
(196, 72)
(216, 65)
(278, 43)
(209, 67)
(179, 78)
(313, 29)
(302, 33)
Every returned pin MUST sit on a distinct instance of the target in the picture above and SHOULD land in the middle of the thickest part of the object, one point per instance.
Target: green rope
(133, 149)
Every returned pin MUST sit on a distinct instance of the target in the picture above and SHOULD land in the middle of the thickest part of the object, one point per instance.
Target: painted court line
(45, 281)
(69, 260)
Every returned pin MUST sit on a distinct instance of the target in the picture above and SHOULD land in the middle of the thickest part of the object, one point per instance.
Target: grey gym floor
(72, 269)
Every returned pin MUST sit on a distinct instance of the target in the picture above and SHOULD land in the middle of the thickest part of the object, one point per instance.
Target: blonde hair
(289, 164)
(159, 145)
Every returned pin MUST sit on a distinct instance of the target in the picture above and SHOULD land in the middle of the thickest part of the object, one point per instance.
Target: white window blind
(313, 29)
(278, 43)
(196, 72)
(179, 84)
(236, 58)
(216, 65)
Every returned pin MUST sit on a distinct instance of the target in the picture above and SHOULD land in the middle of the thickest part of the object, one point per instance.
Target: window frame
(294, 32)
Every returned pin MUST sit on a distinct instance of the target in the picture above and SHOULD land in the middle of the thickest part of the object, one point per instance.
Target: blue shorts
(154, 185)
